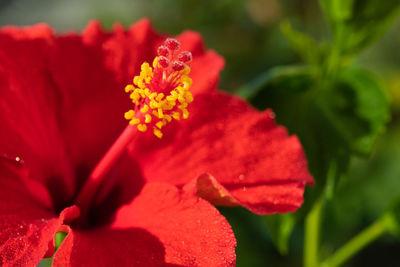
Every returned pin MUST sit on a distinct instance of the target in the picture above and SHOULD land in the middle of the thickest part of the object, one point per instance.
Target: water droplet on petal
(17, 160)
(272, 115)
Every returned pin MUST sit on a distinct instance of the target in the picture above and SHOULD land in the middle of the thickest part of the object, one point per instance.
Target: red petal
(239, 146)
(93, 102)
(29, 104)
(260, 199)
(110, 247)
(160, 226)
(191, 230)
(27, 227)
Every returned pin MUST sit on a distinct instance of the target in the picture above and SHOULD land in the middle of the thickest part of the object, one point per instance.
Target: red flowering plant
(134, 192)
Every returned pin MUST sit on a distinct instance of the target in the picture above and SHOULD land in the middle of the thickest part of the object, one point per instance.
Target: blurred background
(248, 35)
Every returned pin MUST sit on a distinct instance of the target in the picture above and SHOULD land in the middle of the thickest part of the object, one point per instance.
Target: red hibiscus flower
(62, 108)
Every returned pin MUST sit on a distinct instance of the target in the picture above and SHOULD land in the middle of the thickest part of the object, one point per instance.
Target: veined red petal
(30, 104)
(238, 145)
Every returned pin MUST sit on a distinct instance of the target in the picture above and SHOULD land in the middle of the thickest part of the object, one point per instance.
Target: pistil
(159, 95)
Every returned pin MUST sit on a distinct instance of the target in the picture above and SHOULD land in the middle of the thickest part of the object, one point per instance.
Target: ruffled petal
(238, 145)
(27, 225)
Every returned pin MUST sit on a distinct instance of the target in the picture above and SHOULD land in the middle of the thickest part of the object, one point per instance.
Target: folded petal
(238, 145)
(27, 225)
(260, 199)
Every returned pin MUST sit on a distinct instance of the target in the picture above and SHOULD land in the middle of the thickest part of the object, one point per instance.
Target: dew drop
(17, 160)
(272, 115)
(20, 238)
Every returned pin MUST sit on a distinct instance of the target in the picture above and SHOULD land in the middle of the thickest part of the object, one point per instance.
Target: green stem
(357, 243)
(312, 230)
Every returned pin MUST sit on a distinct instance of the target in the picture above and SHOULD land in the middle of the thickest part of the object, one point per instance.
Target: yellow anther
(155, 62)
(144, 109)
(189, 97)
(181, 99)
(168, 118)
(129, 88)
(136, 80)
(183, 105)
(153, 104)
(171, 98)
(147, 118)
(159, 124)
(160, 113)
(185, 113)
(145, 93)
(176, 116)
(142, 127)
(129, 114)
(157, 133)
(134, 121)
(159, 97)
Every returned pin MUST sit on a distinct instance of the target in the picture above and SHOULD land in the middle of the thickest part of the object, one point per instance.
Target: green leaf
(281, 227)
(337, 10)
(333, 119)
(358, 23)
(295, 77)
(306, 47)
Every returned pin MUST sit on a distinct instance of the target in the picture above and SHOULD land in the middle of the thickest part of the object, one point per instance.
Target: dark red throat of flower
(159, 95)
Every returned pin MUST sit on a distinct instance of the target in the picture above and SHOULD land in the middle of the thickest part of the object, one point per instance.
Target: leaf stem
(357, 243)
(312, 230)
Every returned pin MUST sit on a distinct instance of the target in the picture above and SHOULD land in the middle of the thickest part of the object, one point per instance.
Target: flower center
(161, 94)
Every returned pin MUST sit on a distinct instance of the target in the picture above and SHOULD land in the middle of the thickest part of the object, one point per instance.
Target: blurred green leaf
(337, 10)
(394, 217)
(281, 227)
(295, 77)
(333, 119)
(306, 47)
(358, 23)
